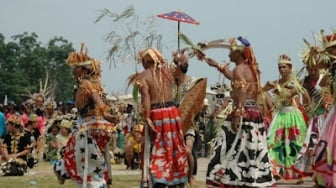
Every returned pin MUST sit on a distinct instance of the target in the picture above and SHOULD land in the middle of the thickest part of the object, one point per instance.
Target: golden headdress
(284, 59)
(81, 58)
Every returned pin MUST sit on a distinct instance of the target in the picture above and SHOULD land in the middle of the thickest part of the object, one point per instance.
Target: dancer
(324, 163)
(288, 128)
(15, 148)
(317, 84)
(240, 156)
(83, 159)
(168, 165)
(182, 85)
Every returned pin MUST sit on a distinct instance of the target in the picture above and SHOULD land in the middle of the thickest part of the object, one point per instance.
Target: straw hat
(32, 117)
(66, 124)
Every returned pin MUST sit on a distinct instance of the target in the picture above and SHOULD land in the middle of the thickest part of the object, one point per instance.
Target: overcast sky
(272, 26)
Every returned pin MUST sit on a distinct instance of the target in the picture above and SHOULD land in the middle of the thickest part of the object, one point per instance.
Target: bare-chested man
(241, 155)
(168, 164)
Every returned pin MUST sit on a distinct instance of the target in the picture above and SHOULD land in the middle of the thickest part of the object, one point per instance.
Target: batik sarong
(240, 158)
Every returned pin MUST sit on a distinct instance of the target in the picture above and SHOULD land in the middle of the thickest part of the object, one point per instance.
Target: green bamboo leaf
(135, 94)
(186, 40)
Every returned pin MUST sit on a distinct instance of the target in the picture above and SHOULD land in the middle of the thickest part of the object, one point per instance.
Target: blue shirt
(2, 124)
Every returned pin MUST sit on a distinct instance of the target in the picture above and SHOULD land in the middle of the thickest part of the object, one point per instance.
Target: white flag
(5, 103)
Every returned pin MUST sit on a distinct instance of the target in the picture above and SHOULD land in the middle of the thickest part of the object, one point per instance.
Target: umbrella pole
(178, 35)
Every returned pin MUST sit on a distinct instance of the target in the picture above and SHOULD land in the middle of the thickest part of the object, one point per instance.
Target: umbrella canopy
(179, 17)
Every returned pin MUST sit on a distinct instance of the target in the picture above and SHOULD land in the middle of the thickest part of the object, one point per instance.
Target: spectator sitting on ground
(15, 147)
(133, 147)
(52, 153)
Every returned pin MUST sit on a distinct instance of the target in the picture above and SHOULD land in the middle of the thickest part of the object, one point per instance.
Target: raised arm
(221, 68)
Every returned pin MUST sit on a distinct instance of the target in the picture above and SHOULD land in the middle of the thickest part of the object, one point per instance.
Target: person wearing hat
(288, 128)
(94, 128)
(64, 133)
(240, 157)
(324, 163)
(317, 84)
(167, 155)
(16, 144)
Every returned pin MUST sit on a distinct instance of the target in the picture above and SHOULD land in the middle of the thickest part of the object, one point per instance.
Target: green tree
(24, 62)
(58, 49)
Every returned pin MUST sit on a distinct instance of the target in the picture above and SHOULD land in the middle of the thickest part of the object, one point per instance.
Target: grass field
(42, 177)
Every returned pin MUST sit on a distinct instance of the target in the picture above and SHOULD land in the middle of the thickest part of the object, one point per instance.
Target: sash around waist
(162, 105)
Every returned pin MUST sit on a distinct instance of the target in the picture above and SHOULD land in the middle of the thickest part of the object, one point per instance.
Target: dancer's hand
(151, 125)
(269, 85)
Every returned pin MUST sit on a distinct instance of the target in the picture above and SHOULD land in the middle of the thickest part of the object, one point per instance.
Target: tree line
(25, 62)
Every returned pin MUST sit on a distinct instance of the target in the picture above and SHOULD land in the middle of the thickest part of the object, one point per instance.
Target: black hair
(39, 112)
(184, 68)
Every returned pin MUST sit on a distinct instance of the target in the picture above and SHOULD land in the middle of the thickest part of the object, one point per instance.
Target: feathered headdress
(230, 44)
(310, 54)
(81, 58)
(328, 40)
(251, 59)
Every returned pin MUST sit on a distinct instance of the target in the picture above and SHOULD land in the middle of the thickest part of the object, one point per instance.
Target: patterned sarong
(303, 165)
(240, 158)
(324, 163)
(286, 136)
(83, 154)
(168, 156)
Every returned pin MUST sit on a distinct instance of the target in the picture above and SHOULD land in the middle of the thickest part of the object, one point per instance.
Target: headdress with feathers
(43, 93)
(327, 42)
(81, 58)
(313, 55)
